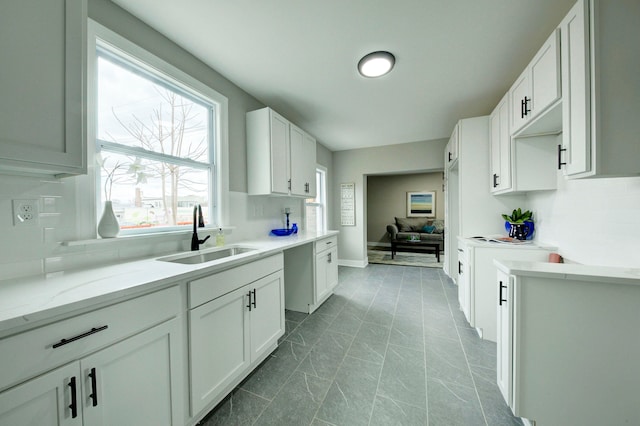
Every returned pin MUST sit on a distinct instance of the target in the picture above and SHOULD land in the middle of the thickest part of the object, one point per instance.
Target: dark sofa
(424, 229)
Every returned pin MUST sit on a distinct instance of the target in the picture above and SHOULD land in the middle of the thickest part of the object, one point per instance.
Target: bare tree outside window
(155, 145)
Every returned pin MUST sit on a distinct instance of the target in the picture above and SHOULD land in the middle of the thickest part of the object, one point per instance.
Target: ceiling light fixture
(376, 64)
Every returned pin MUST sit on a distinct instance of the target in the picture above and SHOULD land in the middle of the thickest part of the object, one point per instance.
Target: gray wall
(355, 165)
(387, 198)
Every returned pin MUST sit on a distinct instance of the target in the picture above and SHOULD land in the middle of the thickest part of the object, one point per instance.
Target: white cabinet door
(266, 313)
(520, 101)
(464, 284)
(545, 75)
(500, 147)
(576, 135)
(219, 344)
(303, 163)
(451, 154)
(42, 117)
(280, 161)
(309, 160)
(137, 381)
(538, 87)
(47, 400)
(505, 336)
(332, 269)
(322, 267)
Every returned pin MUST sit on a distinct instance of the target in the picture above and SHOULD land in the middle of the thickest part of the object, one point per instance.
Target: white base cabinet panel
(219, 346)
(236, 319)
(481, 293)
(106, 388)
(567, 349)
(311, 274)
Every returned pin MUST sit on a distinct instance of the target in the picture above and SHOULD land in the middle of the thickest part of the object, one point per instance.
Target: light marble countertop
(529, 244)
(32, 300)
(571, 271)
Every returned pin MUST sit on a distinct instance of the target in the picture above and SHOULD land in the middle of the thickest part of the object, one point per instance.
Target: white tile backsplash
(592, 221)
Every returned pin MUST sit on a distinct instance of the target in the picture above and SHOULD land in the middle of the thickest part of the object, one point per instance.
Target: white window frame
(219, 196)
(322, 190)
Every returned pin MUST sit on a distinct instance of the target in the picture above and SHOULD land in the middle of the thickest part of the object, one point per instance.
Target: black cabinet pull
(495, 180)
(74, 398)
(289, 184)
(449, 156)
(527, 109)
(254, 297)
(500, 299)
(94, 330)
(459, 267)
(249, 305)
(560, 162)
(329, 258)
(94, 388)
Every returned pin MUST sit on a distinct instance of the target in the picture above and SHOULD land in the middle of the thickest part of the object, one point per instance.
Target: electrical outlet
(25, 212)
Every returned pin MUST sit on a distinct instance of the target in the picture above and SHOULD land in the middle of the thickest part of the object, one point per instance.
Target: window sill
(140, 238)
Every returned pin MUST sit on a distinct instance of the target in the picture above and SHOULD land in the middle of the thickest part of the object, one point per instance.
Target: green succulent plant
(518, 216)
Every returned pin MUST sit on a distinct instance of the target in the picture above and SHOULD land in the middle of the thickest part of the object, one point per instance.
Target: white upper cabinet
(500, 146)
(536, 94)
(600, 62)
(42, 113)
(451, 150)
(281, 158)
(303, 163)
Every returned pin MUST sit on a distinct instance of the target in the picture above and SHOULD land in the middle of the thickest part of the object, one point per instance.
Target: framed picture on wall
(421, 204)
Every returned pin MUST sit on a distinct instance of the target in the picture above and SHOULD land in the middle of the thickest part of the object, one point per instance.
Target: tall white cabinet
(42, 113)
(470, 208)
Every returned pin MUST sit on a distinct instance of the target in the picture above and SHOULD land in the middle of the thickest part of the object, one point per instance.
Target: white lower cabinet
(505, 337)
(104, 387)
(219, 346)
(477, 292)
(326, 268)
(464, 284)
(235, 320)
(567, 350)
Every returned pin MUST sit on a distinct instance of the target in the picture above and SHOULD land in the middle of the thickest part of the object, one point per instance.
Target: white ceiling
(454, 58)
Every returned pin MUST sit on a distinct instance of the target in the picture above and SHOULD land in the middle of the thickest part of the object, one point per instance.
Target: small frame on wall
(421, 204)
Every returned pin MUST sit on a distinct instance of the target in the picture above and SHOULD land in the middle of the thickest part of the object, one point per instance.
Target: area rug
(382, 255)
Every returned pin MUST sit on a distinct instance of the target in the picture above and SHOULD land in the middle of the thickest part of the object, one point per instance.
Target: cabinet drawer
(326, 244)
(215, 285)
(32, 352)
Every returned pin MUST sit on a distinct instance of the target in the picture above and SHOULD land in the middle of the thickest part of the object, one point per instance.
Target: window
(316, 208)
(158, 139)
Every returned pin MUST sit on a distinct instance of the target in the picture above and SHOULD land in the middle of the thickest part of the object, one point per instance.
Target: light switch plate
(25, 212)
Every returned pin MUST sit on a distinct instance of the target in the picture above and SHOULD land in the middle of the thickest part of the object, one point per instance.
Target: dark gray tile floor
(390, 347)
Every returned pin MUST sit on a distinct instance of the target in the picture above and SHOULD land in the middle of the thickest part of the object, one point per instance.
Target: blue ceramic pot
(520, 231)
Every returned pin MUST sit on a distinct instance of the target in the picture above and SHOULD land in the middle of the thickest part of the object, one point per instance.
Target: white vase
(108, 227)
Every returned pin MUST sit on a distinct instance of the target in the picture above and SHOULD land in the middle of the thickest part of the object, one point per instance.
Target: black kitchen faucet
(195, 242)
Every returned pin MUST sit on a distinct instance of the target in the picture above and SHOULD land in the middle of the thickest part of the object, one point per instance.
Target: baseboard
(354, 263)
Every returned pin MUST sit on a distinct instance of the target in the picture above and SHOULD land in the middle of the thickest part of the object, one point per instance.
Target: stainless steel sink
(206, 256)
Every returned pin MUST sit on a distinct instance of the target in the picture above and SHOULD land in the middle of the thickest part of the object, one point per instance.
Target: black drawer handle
(254, 298)
(79, 336)
(560, 162)
(500, 299)
(249, 305)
